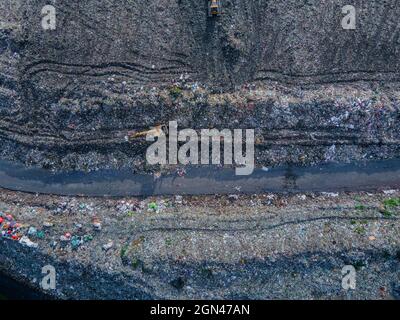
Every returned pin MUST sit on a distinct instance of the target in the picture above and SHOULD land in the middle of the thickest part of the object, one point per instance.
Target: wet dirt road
(332, 177)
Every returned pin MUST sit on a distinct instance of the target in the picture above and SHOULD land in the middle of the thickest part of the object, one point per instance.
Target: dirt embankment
(313, 91)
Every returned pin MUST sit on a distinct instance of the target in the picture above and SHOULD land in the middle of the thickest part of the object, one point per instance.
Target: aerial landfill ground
(315, 84)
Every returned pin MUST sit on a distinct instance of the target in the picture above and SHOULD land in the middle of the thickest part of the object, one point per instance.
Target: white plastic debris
(32, 231)
(178, 199)
(64, 238)
(389, 191)
(78, 225)
(330, 194)
(48, 224)
(25, 241)
(108, 246)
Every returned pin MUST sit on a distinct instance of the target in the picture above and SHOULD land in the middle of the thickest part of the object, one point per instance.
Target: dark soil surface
(313, 92)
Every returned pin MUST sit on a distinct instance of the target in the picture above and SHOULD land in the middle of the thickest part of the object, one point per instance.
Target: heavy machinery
(156, 131)
(214, 8)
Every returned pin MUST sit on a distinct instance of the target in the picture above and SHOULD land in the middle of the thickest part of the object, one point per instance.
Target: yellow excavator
(156, 131)
(214, 8)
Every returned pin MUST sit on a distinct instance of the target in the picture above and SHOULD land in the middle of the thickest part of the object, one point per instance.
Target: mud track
(367, 176)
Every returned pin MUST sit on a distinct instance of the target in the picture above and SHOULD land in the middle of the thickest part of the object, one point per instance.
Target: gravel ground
(209, 247)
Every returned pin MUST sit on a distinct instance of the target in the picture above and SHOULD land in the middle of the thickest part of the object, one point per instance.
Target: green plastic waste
(87, 238)
(153, 206)
(75, 242)
(40, 234)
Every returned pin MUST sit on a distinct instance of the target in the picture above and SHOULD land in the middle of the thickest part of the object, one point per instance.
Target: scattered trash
(233, 197)
(265, 169)
(78, 226)
(126, 207)
(25, 241)
(66, 237)
(178, 199)
(76, 242)
(330, 194)
(40, 234)
(267, 202)
(130, 214)
(152, 206)
(87, 238)
(48, 224)
(97, 224)
(85, 207)
(389, 191)
(10, 229)
(32, 231)
(108, 246)
(181, 172)
(195, 86)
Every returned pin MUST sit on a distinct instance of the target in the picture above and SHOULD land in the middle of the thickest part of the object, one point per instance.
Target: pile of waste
(10, 229)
